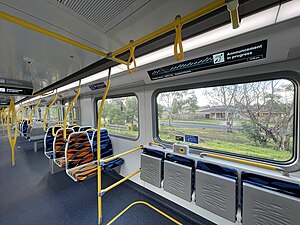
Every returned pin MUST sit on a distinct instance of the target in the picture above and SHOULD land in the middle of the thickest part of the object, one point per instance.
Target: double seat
(78, 154)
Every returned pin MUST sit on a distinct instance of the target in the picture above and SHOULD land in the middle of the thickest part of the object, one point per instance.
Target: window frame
(130, 94)
(292, 76)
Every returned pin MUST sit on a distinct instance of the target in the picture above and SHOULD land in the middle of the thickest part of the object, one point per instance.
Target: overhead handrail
(33, 111)
(47, 110)
(53, 128)
(99, 147)
(149, 205)
(232, 6)
(243, 161)
(12, 141)
(178, 39)
(68, 110)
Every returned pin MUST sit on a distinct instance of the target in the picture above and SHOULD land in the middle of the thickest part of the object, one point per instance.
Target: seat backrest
(106, 145)
(90, 133)
(76, 128)
(84, 128)
(59, 143)
(24, 128)
(78, 150)
(48, 139)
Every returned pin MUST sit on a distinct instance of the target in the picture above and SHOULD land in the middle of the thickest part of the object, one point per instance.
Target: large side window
(120, 116)
(250, 119)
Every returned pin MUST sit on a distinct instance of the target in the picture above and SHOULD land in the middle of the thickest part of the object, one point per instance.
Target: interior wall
(86, 111)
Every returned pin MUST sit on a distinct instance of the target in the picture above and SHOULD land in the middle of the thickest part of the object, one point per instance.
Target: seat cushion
(84, 172)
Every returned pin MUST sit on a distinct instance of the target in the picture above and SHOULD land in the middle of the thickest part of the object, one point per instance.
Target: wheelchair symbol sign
(219, 58)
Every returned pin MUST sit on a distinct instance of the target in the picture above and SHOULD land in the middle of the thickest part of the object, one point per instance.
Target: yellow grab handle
(261, 165)
(33, 111)
(47, 110)
(53, 128)
(131, 58)
(232, 6)
(178, 39)
(12, 141)
(68, 110)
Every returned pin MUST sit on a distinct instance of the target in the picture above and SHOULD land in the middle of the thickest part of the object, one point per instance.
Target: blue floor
(30, 195)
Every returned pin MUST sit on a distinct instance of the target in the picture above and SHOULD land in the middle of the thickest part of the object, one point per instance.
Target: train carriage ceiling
(104, 25)
(101, 24)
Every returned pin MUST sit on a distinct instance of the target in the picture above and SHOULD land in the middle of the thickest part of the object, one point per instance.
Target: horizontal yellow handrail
(149, 205)
(120, 182)
(243, 161)
(122, 154)
(53, 128)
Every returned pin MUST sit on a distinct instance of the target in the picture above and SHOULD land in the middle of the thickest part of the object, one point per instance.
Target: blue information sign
(97, 86)
(191, 139)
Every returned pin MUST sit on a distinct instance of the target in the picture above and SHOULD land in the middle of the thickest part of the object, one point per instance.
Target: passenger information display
(246, 53)
(16, 91)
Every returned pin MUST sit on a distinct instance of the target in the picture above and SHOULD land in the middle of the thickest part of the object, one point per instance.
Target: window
(250, 119)
(73, 116)
(120, 116)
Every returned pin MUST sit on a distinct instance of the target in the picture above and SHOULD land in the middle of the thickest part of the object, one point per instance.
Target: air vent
(99, 12)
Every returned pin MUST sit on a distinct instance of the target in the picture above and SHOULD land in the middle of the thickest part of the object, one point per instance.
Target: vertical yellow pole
(99, 148)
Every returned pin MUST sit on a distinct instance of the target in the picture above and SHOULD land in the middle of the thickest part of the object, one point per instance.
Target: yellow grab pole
(149, 205)
(12, 141)
(99, 175)
(261, 165)
(119, 182)
(68, 110)
(33, 111)
(47, 110)
(122, 154)
(54, 35)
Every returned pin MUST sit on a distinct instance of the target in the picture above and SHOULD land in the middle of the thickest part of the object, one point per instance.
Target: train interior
(150, 112)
